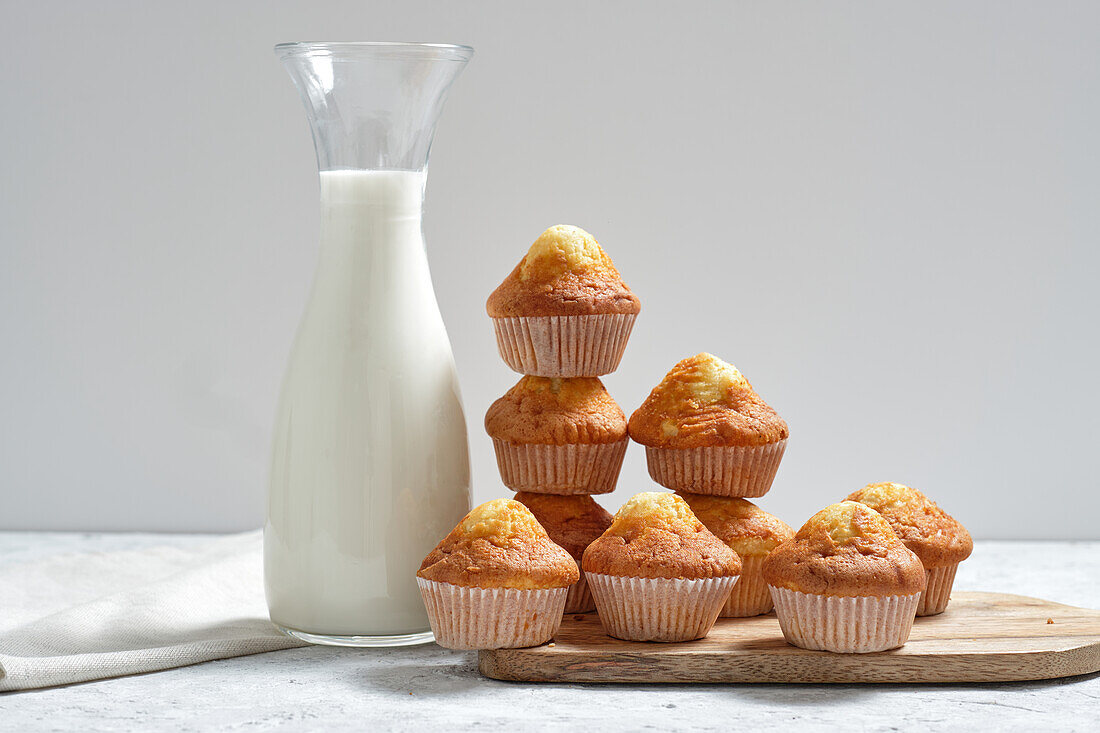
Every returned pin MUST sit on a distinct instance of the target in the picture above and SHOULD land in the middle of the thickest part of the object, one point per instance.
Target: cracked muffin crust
(655, 535)
(565, 272)
(934, 535)
(846, 549)
(500, 544)
(705, 402)
(558, 411)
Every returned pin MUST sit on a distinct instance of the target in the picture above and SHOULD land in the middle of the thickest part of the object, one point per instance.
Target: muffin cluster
(667, 565)
(857, 573)
(845, 582)
(562, 318)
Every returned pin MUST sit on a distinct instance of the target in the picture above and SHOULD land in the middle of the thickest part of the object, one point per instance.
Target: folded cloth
(79, 617)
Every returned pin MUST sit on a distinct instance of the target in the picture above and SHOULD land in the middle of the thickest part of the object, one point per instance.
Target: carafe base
(422, 637)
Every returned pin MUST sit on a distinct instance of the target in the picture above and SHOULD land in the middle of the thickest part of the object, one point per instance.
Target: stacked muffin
(711, 438)
(707, 431)
(562, 319)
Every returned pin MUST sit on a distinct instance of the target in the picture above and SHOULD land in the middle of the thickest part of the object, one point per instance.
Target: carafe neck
(373, 106)
(370, 225)
(375, 194)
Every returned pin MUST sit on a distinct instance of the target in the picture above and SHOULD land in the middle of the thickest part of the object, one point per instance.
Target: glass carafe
(370, 465)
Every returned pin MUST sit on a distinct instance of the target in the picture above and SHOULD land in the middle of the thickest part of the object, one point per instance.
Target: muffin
(938, 540)
(563, 311)
(845, 582)
(657, 574)
(558, 436)
(572, 522)
(706, 431)
(752, 533)
(496, 581)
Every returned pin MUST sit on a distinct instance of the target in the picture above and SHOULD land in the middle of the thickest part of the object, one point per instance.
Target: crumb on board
(1050, 620)
(550, 644)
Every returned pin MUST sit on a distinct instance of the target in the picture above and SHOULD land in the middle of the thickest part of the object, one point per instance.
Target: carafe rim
(390, 49)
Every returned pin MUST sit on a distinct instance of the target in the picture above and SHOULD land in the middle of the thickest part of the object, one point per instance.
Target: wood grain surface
(982, 637)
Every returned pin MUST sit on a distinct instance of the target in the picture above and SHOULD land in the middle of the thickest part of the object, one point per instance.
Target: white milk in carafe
(370, 466)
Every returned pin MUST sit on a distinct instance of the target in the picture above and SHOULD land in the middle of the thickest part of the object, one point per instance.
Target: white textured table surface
(428, 688)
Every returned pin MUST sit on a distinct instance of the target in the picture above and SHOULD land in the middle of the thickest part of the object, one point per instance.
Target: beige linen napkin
(85, 616)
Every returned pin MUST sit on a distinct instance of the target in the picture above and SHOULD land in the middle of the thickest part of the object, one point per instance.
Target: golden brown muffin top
(556, 411)
(572, 522)
(655, 535)
(564, 273)
(500, 544)
(846, 549)
(745, 527)
(936, 537)
(705, 402)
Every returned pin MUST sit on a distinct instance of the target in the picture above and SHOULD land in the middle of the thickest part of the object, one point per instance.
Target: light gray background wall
(886, 215)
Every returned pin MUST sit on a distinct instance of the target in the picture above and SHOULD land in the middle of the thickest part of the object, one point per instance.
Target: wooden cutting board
(982, 637)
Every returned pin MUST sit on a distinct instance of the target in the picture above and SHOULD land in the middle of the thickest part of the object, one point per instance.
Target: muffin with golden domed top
(706, 431)
(936, 537)
(658, 574)
(564, 311)
(497, 581)
(558, 436)
(750, 532)
(573, 523)
(845, 582)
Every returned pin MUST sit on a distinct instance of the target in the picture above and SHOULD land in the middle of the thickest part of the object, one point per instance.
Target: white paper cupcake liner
(719, 471)
(750, 597)
(844, 624)
(491, 618)
(579, 599)
(936, 596)
(658, 609)
(564, 346)
(582, 468)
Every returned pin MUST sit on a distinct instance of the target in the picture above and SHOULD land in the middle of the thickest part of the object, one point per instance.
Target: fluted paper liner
(579, 599)
(491, 618)
(744, 471)
(658, 609)
(844, 624)
(750, 597)
(564, 346)
(935, 597)
(581, 468)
